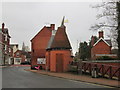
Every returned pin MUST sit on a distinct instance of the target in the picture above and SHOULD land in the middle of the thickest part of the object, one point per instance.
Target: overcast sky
(25, 19)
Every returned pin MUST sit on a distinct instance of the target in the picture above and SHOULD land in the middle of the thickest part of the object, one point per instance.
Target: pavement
(23, 77)
(2, 66)
(82, 78)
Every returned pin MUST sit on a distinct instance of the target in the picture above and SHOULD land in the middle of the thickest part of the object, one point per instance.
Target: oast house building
(51, 49)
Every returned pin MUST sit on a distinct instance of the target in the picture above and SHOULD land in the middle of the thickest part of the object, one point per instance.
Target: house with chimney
(51, 49)
(38, 45)
(5, 49)
(21, 56)
(101, 47)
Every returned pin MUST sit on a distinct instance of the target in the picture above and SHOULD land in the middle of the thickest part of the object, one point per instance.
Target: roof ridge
(103, 40)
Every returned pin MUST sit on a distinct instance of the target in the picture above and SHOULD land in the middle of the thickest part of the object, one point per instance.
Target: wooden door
(59, 62)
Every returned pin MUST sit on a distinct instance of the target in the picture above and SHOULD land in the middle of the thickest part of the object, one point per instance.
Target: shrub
(73, 68)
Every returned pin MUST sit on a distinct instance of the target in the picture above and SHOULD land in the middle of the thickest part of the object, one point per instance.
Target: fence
(102, 70)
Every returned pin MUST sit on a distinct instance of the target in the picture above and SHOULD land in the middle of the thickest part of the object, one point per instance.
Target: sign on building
(41, 61)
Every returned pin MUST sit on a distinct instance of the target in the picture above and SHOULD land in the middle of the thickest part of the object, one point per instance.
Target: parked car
(36, 67)
(25, 63)
(33, 67)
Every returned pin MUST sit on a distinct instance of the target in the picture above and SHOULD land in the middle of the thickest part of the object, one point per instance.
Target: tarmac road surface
(17, 77)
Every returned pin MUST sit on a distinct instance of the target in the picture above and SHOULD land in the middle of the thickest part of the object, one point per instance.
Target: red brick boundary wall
(108, 69)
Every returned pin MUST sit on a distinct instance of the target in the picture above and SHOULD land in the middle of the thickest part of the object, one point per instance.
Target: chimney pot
(92, 40)
(3, 25)
(53, 26)
(101, 34)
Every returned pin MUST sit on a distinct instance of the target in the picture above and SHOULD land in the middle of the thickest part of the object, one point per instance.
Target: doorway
(59, 62)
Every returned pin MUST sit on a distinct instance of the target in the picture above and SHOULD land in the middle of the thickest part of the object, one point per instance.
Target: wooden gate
(59, 62)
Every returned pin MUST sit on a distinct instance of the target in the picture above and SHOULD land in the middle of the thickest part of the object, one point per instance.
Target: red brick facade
(18, 57)
(53, 46)
(60, 65)
(21, 56)
(5, 46)
(58, 54)
(39, 44)
(101, 47)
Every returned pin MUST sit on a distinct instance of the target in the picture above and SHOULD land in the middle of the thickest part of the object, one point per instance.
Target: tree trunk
(118, 28)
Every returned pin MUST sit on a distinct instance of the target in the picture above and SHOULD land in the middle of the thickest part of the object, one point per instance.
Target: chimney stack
(92, 40)
(3, 25)
(101, 34)
(53, 26)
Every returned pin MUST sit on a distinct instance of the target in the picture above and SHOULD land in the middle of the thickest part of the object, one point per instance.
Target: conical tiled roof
(60, 40)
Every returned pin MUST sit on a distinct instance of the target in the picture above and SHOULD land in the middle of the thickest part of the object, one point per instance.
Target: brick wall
(51, 63)
(39, 44)
(100, 48)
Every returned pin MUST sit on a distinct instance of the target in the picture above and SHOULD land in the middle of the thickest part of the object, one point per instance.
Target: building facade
(14, 47)
(39, 44)
(59, 54)
(5, 46)
(51, 49)
(1, 46)
(18, 57)
(101, 47)
(21, 56)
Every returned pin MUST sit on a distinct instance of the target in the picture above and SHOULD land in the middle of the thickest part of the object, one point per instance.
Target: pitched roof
(51, 39)
(27, 54)
(108, 42)
(60, 40)
(48, 28)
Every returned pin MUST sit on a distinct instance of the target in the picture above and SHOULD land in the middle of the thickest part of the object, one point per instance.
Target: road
(17, 77)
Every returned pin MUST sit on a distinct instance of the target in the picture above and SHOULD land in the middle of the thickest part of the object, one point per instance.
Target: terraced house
(5, 50)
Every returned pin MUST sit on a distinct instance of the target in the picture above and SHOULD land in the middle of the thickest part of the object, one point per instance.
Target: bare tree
(109, 20)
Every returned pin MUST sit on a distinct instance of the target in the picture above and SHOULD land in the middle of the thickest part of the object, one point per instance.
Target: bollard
(94, 72)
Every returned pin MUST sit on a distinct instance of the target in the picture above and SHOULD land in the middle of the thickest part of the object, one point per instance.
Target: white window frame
(17, 60)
